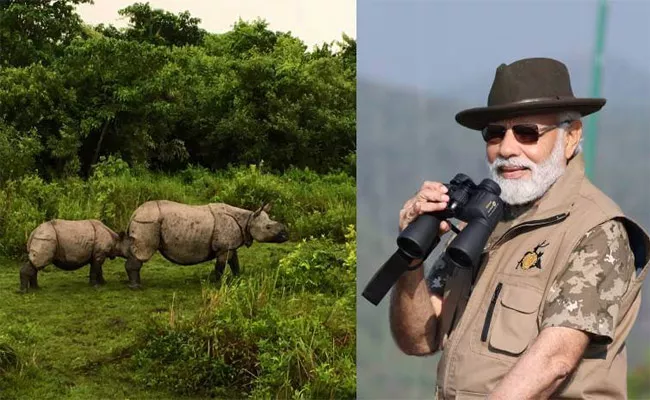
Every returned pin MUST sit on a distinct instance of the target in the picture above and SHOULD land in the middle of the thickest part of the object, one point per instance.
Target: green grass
(76, 342)
(72, 338)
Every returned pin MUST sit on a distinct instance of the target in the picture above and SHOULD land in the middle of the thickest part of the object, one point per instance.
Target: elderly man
(547, 311)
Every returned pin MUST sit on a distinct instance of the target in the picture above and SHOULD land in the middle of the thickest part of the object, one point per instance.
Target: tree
(157, 26)
(37, 30)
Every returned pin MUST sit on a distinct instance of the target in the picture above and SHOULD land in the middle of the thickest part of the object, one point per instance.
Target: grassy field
(76, 342)
(285, 328)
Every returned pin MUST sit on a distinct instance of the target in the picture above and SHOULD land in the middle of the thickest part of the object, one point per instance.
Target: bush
(320, 266)
(266, 337)
(312, 204)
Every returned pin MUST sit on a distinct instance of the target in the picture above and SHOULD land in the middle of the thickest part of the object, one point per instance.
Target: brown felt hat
(526, 87)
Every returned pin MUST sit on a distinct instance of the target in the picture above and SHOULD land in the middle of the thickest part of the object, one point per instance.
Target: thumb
(444, 227)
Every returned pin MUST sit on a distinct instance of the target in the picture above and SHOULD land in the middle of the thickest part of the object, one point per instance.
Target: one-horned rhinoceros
(70, 245)
(192, 234)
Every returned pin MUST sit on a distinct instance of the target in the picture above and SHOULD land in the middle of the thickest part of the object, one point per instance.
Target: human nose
(509, 147)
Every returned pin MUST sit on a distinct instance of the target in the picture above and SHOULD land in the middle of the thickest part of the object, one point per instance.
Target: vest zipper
(488, 316)
(529, 224)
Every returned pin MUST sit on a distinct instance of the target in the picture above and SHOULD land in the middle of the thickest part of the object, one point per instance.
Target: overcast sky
(313, 21)
(438, 45)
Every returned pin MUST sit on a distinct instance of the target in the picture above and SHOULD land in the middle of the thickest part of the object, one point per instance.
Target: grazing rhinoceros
(192, 234)
(70, 245)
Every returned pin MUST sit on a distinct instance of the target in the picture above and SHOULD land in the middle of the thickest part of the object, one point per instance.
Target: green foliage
(310, 204)
(164, 94)
(18, 152)
(266, 337)
(321, 266)
(157, 26)
(33, 31)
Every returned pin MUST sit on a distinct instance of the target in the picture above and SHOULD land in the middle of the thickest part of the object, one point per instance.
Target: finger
(403, 214)
(432, 185)
(406, 215)
(432, 195)
(444, 227)
(426, 207)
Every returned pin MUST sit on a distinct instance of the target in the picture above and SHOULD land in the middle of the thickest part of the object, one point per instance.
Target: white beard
(543, 175)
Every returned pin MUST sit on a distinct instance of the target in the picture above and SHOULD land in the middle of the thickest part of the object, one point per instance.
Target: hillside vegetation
(96, 120)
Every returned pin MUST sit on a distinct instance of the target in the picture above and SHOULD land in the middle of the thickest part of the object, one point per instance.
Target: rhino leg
(219, 267)
(133, 266)
(96, 276)
(28, 277)
(234, 263)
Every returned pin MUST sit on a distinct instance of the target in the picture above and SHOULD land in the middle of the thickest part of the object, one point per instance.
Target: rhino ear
(258, 211)
(266, 207)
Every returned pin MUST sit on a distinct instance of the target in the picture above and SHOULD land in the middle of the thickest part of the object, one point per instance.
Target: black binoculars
(479, 206)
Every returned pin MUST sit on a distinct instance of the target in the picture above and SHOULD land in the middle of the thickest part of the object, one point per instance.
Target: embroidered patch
(532, 259)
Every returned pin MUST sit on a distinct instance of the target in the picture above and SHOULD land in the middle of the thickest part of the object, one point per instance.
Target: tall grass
(310, 204)
(266, 337)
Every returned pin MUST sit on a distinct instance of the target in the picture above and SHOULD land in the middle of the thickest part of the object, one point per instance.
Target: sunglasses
(524, 133)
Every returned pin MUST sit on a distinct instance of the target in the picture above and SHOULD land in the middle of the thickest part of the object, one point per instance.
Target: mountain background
(419, 63)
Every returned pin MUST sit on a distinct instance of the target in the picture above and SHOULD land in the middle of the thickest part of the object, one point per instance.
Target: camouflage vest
(501, 317)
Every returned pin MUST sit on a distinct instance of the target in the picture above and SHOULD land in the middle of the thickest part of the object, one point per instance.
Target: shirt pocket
(511, 320)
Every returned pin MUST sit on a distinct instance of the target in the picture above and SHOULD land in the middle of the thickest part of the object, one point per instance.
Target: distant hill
(405, 137)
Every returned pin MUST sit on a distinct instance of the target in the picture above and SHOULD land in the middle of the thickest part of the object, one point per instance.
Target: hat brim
(477, 118)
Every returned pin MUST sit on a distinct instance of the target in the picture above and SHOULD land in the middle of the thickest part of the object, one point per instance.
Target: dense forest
(165, 94)
(95, 120)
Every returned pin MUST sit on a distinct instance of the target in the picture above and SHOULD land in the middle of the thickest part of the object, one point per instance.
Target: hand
(431, 197)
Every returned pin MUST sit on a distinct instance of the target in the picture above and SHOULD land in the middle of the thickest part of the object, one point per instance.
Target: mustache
(515, 162)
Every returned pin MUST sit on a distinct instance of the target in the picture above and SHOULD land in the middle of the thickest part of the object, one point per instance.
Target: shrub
(264, 337)
(320, 266)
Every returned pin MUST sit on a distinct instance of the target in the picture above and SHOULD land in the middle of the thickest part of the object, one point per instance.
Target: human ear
(572, 138)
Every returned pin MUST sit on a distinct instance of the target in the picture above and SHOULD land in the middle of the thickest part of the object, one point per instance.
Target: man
(547, 311)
